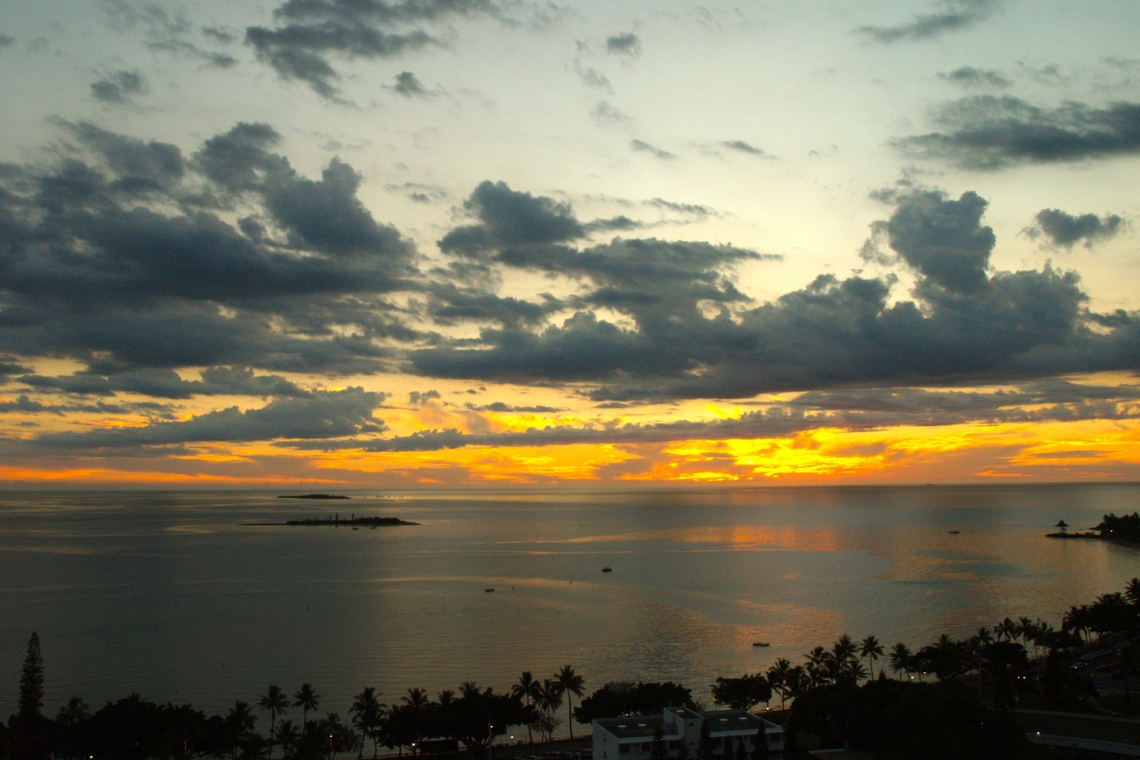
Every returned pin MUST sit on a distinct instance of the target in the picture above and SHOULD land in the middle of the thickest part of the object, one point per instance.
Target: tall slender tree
(32, 682)
(901, 658)
(872, 650)
(524, 689)
(274, 702)
(307, 699)
(570, 683)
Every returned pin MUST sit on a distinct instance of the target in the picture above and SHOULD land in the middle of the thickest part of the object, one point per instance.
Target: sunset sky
(363, 243)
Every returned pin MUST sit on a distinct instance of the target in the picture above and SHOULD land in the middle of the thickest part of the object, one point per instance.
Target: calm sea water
(169, 595)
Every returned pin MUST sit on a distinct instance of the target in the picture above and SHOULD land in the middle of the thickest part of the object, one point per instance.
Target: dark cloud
(508, 218)
(644, 147)
(987, 132)
(591, 77)
(691, 336)
(1063, 230)
(165, 383)
(311, 32)
(322, 415)
(451, 304)
(415, 398)
(5, 41)
(742, 147)
(627, 44)
(118, 86)
(501, 408)
(408, 85)
(968, 76)
(116, 256)
(952, 16)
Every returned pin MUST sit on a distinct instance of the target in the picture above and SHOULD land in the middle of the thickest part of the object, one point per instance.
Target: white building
(631, 738)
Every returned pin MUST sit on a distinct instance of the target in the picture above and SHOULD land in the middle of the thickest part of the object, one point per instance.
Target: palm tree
(287, 736)
(1132, 591)
(367, 713)
(549, 696)
(1007, 630)
(1024, 629)
(417, 699)
(239, 724)
(469, 689)
(307, 699)
(778, 678)
(569, 683)
(872, 650)
(524, 689)
(275, 703)
(901, 657)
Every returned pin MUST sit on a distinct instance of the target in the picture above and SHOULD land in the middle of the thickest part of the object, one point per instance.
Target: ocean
(173, 595)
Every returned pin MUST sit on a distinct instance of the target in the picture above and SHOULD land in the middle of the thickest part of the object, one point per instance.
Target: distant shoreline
(1126, 540)
(314, 496)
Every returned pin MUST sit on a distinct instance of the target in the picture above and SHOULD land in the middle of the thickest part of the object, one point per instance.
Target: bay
(174, 596)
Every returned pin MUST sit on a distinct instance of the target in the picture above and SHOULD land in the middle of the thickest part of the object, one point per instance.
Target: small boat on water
(761, 644)
(489, 590)
(955, 532)
(607, 569)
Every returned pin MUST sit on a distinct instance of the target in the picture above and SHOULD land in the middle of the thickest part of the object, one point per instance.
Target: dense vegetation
(841, 695)
(1125, 526)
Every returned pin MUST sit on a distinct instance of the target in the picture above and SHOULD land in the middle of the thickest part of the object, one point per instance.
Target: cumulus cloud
(118, 87)
(1058, 229)
(693, 335)
(117, 257)
(951, 16)
(606, 114)
(968, 76)
(987, 132)
(311, 34)
(167, 31)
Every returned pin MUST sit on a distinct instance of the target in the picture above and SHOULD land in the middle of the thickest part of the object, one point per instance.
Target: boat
(955, 532)
(489, 590)
(607, 569)
(761, 644)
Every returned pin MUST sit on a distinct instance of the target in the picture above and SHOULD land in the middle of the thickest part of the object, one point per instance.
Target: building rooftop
(631, 726)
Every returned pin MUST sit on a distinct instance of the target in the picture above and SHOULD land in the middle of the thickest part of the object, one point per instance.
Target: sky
(445, 243)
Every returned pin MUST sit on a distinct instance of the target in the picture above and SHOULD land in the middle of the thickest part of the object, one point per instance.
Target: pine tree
(32, 682)
(705, 745)
(658, 750)
(683, 749)
(760, 751)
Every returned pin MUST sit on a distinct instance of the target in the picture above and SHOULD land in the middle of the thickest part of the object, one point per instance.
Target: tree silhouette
(275, 703)
(239, 723)
(657, 749)
(569, 683)
(287, 736)
(524, 689)
(367, 716)
(901, 658)
(705, 745)
(872, 650)
(32, 682)
(778, 678)
(307, 699)
(549, 699)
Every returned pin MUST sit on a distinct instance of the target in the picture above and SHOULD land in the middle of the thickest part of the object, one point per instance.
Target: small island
(313, 496)
(336, 521)
(1124, 529)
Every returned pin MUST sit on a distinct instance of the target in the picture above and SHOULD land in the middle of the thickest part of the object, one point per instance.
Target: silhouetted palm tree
(549, 696)
(901, 657)
(1007, 629)
(524, 689)
(239, 724)
(307, 699)
(275, 703)
(872, 650)
(1132, 591)
(569, 683)
(367, 715)
(778, 678)
(287, 736)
